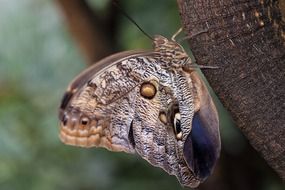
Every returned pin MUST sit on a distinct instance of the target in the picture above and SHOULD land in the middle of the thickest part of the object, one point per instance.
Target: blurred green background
(38, 58)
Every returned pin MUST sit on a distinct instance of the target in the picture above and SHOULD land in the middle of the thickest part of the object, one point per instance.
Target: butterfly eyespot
(64, 120)
(148, 90)
(177, 126)
(84, 121)
(162, 117)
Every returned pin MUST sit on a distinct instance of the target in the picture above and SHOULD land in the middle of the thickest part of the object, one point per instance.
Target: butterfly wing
(127, 102)
(202, 146)
(93, 100)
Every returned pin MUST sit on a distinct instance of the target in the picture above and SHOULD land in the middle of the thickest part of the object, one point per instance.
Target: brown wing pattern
(145, 102)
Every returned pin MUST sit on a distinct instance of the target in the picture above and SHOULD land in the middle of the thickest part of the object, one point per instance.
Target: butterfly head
(170, 51)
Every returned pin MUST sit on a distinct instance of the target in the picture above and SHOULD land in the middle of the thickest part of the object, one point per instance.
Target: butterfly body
(145, 102)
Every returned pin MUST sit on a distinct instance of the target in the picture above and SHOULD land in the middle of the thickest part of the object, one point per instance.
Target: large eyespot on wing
(202, 146)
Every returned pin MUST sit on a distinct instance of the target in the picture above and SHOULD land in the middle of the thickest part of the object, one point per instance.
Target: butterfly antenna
(130, 19)
(176, 34)
(193, 35)
(195, 66)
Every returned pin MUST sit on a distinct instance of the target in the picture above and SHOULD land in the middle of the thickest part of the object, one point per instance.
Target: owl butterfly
(148, 102)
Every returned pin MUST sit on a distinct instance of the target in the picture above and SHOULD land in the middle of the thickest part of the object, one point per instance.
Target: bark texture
(245, 39)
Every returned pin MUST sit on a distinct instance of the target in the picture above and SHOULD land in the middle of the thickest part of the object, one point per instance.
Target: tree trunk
(245, 39)
(86, 28)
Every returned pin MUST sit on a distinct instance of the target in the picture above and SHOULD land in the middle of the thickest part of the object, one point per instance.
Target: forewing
(97, 108)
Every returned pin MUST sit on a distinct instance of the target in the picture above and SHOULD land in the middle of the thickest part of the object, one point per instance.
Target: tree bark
(245, 39)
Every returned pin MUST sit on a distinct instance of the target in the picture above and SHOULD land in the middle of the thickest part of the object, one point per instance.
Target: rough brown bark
(245, 39)
(86, 29)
